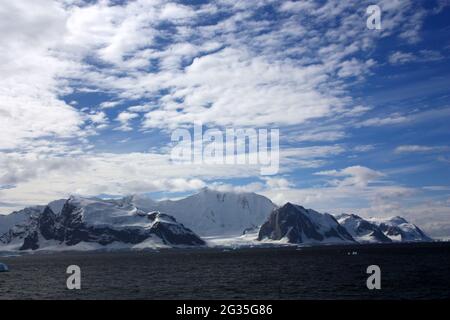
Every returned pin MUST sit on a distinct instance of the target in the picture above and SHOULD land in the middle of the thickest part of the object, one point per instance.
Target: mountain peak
(362, 230)
(296, 224)
(205, 190)
(398, 220)
(381, 229)
(288, 205)
(211, 212)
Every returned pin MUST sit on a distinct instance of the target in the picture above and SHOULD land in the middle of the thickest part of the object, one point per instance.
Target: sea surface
(408, 271)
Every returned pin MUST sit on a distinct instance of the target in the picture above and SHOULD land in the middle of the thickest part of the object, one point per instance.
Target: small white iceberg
(3, 267)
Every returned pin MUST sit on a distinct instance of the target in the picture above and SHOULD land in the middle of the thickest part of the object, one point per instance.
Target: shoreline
(346, 249)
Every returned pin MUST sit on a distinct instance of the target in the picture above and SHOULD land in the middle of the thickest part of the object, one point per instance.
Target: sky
(90, 92)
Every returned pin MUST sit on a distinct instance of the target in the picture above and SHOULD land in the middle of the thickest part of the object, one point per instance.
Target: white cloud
(364, 148)
(406, 119)
(53, 47)
(353, 176)
(173, 11)
(389, 120)
(98, 118)
(312, 152)
(29, 104)
(40, 178)
(140, 108)
(317, 135)
(277, 183)
(231, 87)
(223, 187)
(419, 149)
(297, 6)
(355, 68)
(400, 57)
(307, 157)
(109, 104)
(124, 118)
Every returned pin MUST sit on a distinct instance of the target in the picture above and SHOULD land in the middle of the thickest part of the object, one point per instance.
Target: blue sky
(90, 92)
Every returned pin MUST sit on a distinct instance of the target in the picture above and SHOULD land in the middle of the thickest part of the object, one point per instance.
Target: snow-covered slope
(23, 216)
(398, 229)
(18, 217)
(127, 220)
(211, 213)
(295, 224)
(362, 230)
(57, 205)
(96, 221)
(141, 201)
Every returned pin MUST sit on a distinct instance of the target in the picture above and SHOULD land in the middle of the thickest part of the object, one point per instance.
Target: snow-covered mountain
(97, 221)
(211, 212)
(362, 230)
(295, 224)
(380, 230)
(23, 216)
(137, 221)
(131, 220)
(18, 217)
(400, 230)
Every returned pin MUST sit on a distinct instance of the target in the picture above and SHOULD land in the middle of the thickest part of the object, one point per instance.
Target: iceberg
(3, 267)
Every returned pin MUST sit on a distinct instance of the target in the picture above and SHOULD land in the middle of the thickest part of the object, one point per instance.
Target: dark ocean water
(407, 272)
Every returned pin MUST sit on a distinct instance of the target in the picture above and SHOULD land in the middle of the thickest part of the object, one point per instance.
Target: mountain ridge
(77, 223)
(298, 225)
(208, 213)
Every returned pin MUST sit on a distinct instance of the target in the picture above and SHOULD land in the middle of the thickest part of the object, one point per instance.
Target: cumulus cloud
(230, 72)
(29, 103)
(355, 68)
(277, 183)
(352, 176)
(124, 118)
(231, 87)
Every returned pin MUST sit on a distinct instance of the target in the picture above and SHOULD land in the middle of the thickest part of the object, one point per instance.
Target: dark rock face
(31, 241)
(300, 225)
(176, 234)
(47, 221)
(68, 228)
(376, 232)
